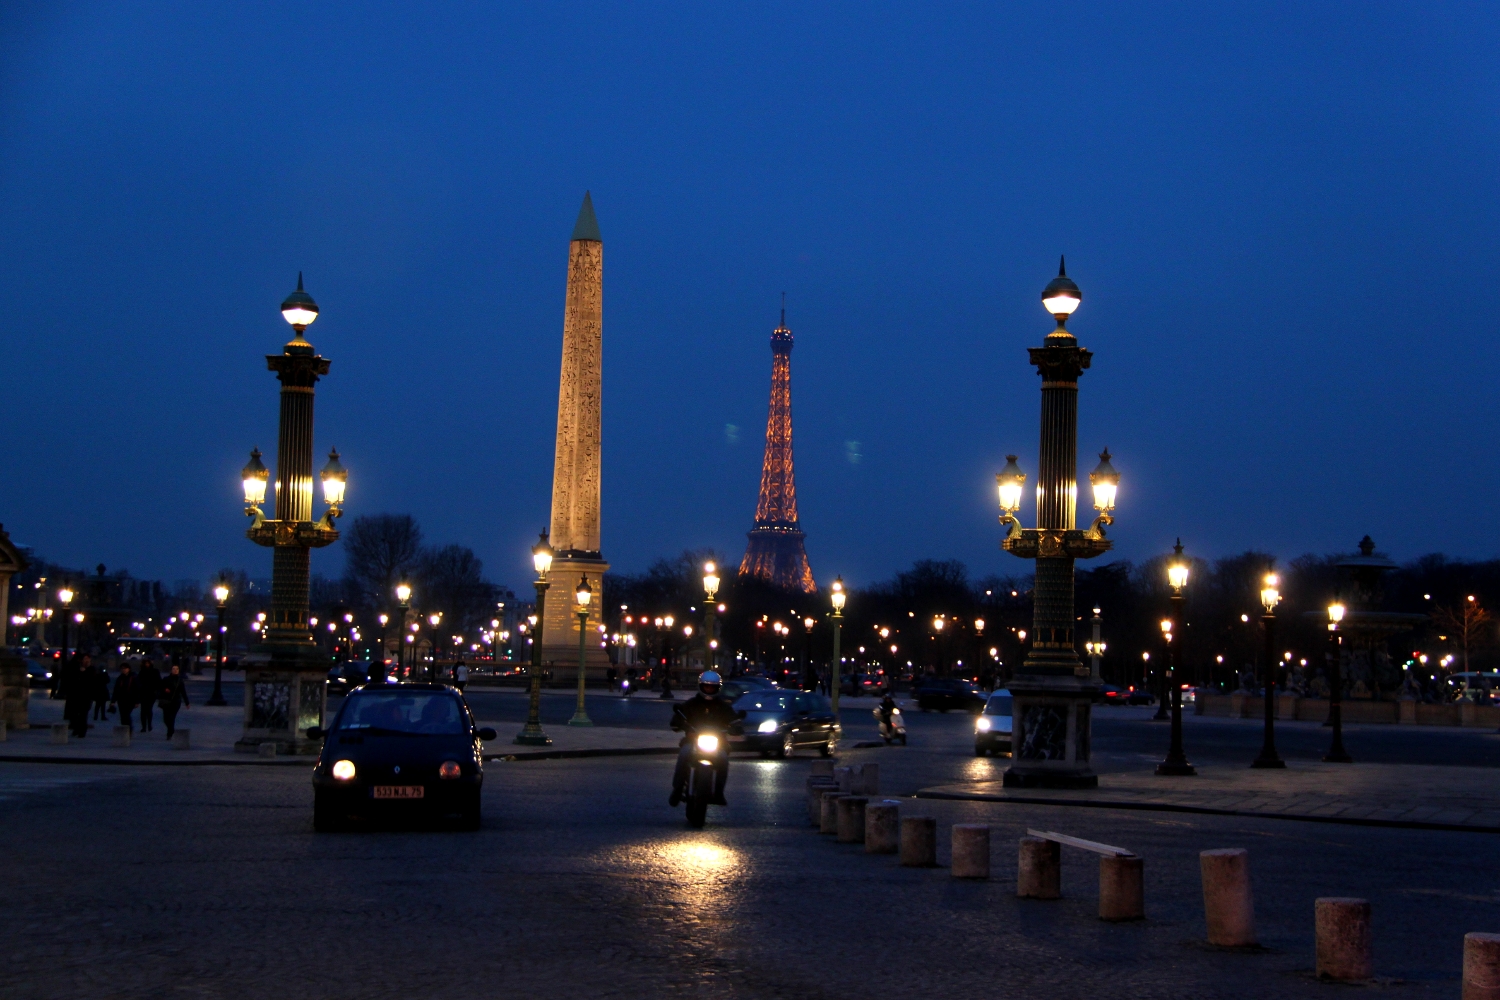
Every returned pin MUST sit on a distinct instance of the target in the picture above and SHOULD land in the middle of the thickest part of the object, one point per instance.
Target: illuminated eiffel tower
(775, 553)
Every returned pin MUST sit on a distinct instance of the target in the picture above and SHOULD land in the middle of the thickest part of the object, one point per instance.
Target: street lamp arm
(1096, 530)
(1013, 523)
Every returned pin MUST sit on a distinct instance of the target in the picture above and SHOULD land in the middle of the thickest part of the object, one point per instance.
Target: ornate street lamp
(1270, 596)
(531, 734)
(837, 597)
(1336, 753)
(435, 620)
(287, 697)
(221, 597)
(403, 601)
(65, 598)
(1177, 575)
(583, 595)
(1053, 690)
(710, 588)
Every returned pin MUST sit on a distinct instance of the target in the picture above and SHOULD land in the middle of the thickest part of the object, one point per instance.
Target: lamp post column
(217, 698)
(580, 712)
(1336, 753)
(1094, 650)
(1268, 757)
(531, 734)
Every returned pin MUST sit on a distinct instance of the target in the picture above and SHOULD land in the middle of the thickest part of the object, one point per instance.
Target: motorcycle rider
(704, 712)
(885, 708)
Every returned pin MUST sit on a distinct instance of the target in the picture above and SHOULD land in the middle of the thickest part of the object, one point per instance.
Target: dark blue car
(777, 722)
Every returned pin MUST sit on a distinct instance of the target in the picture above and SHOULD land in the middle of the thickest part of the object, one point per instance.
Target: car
(345, 676)
(1111, 695)
(777, 722)
(855, 685)
(993, 727)
(731, 690)
(944, 693)
(1139, 696)
(38, 673)
(399, 751)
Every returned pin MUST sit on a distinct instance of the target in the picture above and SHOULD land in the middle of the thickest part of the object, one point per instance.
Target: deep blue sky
(1283, 218)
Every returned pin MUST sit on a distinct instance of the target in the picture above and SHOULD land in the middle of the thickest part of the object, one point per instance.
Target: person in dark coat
(145, 691)
(125, 694)
(171, 697)
(101, 693)
(78, 692)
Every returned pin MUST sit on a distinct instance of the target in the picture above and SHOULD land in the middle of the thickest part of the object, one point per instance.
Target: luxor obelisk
(575, 470)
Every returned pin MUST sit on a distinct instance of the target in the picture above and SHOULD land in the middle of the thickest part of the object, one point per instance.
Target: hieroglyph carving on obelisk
(575, 472)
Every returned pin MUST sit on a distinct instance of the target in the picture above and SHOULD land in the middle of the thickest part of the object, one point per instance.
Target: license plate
(397, 792)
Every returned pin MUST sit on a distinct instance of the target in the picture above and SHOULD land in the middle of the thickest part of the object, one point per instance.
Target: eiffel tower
(775, 553)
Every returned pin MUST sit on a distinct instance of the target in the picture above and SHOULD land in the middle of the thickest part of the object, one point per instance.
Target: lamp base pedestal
(1051, 719)
(285, 695)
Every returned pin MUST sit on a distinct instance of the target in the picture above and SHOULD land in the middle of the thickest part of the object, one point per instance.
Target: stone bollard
(267, 749)
(883, 827)
(851, 819)
(867, 779)
(122, 736)
(919, 842)
(815, 789)
(1039, 871)
(829, 817)
(1228, 906)
(1343, 934)
(59, 732)
(182, 739)
(1122, 895)
(822, 769)
(971, 850)
(1481, 966)
(845, 778)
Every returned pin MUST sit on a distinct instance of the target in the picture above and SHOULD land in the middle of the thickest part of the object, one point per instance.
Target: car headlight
(708, 743)
(449, 769)
(343, 770)
(769, 726)
(983, 724)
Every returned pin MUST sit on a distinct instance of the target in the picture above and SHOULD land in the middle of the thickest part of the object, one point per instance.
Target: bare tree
(451, 580)
(378, 550)
(1466, 622)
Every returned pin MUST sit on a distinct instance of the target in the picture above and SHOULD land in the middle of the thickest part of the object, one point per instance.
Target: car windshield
(432, 713)
(999, 704)
(764, 701)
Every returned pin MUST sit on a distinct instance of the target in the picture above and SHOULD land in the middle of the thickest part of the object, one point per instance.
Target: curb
(1390, 824)
(218, 762)
(598, 752)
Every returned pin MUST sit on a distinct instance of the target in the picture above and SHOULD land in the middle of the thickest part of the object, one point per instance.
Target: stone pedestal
(560, 630)
(1050, 743)
(285, 695)
(15, 691)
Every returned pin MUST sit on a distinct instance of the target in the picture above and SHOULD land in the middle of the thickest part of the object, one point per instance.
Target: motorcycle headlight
(343, 770)
(983, 724)
(769, 726)
(708, 743)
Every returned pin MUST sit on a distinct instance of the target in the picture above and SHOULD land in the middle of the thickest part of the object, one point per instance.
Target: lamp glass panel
(1061, 304)
(298, 316)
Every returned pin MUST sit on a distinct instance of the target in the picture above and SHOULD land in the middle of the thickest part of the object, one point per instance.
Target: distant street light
(65, 598)
(1177, 575)
(531, 734)
(582, 595)
(1270, 596)
(1336, 753)
(837, 597)
(221, 596)
(710, 588)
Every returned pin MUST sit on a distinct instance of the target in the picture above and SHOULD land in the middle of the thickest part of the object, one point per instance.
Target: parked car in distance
(342, 677)
(1109, 694)
(945, 693)
(863, 684)
(1139, 696)
(992, 728)
(777, 722)
(38, 673)
(399, 751)
(1189, 694)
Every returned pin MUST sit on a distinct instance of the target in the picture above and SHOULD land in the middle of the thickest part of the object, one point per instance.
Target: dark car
(399, 751)
(39, 673)
(1139, 696)
(349, 674)
(733, 689)
(993, 727)
(858, 684)
(1111, 695)
(777, 722)
(944, 693)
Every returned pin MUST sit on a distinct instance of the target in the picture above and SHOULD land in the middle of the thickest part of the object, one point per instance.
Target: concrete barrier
(829, 817)
(1343, 938)
(1039, 869)
(266, 749)
(883, 827)
(845, 778)
(822, 769)
(182, 739)
(866, 779)
(59, 732)
(816, 786)
(1481, 966)
(971, 850)
(851, 818)
(122, 736)
(919, 842)
(1228, 906)
(1122, 894)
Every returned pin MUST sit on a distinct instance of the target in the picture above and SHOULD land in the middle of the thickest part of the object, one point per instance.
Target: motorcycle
(625, 688)
(707, 747)
(894, 730)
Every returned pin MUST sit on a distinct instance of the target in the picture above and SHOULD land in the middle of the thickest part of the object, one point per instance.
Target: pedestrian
(77, 689)
(101, 693)
(125, 694)
(611, 675)
(146, 689)
(171, 697)
(460, 674)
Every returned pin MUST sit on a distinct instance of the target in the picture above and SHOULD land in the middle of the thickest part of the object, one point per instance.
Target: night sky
(1283, 218)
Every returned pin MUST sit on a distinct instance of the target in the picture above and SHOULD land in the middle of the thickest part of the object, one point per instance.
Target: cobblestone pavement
(209, 882)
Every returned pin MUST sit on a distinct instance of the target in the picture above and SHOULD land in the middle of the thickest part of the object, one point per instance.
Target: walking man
(125, 694)
(146, 690)
(171, 697)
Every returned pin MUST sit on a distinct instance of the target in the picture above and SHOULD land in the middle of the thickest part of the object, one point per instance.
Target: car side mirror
(316, 732)
(487, 733)
(741, 713)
